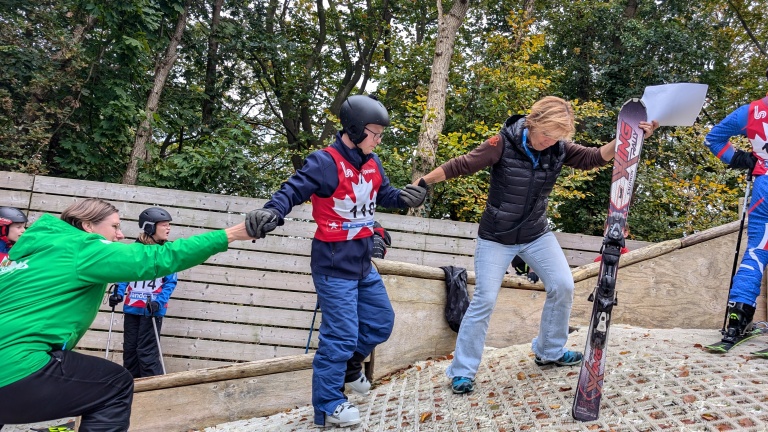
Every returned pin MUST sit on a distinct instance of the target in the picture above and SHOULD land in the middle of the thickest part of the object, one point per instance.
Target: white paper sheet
(674, 104)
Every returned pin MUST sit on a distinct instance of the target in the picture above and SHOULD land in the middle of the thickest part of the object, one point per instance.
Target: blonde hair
(552, 117)
(146, 239)
(93, 210)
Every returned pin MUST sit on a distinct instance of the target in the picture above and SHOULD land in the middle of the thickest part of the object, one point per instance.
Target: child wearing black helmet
(12, 226)
(145, 302)
(345, 182)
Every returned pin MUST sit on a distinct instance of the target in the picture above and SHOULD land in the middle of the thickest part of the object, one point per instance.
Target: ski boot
(355, 377)
(739, 328)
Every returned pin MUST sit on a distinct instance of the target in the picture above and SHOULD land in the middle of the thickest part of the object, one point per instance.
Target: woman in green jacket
(49, 296)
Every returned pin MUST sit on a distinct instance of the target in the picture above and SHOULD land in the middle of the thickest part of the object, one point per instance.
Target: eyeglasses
(378, 136)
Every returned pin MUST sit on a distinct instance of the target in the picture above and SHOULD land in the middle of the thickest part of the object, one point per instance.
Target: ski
(629, 143)
(762, 353)
(722, 347)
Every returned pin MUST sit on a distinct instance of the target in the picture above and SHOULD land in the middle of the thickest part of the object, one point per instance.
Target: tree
(434, 115)
(162, 68)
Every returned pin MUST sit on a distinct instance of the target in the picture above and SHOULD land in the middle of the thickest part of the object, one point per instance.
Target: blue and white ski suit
(750, 120)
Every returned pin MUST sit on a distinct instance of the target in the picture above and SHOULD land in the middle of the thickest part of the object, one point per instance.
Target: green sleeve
(102, 261)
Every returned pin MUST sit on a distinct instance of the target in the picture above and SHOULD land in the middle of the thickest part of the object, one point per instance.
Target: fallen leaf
(425, 416)
(709, 417)
(520, 376)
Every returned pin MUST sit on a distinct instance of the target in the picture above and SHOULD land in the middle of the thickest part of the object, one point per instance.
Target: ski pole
(111, 320)
(738, 246)
(312, 326)
(157, 335)
(157, 338)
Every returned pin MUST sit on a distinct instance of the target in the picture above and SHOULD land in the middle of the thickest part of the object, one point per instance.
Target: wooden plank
(248, 278)
(225, 373)
(147, 196)
(631, 257)
(172, 364)
(15, 198)
(196, 407)
(581, 242)
(182, 347)
(711, 233)
(223, 331)
(245, 314)
(17, 181)
(245, 295)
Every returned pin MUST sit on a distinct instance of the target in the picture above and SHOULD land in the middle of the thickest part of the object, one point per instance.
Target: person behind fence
(523, 269)
(145, 301)
(12, 225)
(749, 120)
(525, 159)
(51, 293)
(345, 182)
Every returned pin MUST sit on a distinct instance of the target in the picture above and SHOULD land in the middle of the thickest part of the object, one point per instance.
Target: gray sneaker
(361, 385)
(344, 415)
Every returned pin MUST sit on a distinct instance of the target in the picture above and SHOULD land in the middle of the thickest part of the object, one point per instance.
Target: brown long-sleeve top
(489, 152)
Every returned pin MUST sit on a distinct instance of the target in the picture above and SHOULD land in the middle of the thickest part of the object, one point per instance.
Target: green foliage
(76, 75)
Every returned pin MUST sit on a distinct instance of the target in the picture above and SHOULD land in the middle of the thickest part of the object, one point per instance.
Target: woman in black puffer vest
(525, 158)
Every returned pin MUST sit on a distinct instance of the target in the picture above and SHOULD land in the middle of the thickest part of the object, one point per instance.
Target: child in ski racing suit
(145, 301)
(12, 226)
(750, 120)
(345, 182)
(141, 354)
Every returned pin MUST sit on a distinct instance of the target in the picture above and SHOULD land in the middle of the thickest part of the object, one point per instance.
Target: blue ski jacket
(135, 303)
(349, 259)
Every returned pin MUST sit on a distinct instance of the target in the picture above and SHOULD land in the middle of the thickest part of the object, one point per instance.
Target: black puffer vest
(516, 211)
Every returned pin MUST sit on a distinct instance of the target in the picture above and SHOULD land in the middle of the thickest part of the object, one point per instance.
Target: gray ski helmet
(359, 111)
(9, 215)
(149, 217)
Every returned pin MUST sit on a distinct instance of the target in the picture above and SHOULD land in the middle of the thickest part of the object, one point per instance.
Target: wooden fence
(255, 301)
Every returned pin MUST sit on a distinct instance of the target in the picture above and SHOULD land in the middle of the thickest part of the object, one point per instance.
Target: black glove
(381, 240)
(533, 277)
(114, 300)
(414, 196)
(743, 160)
(153, 307)
(259, 222)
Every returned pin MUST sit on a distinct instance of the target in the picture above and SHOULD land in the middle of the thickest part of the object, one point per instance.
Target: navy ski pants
(141, 354)
(357, 316)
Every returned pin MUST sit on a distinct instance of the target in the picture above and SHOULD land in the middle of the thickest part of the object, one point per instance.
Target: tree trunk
(211, 65)
(434, 116)
(162, 68)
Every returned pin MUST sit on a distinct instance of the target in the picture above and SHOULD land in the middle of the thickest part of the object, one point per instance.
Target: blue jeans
(747, 281)
(492, 259)
(357, 316)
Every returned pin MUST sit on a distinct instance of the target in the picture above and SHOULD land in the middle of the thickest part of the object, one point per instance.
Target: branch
(747, 29)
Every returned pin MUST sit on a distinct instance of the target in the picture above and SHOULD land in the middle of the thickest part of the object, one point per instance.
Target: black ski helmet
(149, 217)
(9, 215)
(359, 111)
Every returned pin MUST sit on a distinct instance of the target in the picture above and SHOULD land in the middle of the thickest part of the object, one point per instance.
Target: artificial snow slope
(657, 379)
